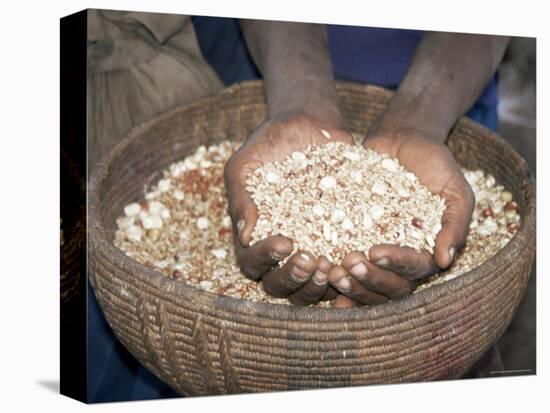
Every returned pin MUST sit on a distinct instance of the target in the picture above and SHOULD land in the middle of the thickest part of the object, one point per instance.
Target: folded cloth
(139, 65)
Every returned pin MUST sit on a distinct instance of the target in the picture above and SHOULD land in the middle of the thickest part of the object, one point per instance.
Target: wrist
(412, 115)
(308, 97)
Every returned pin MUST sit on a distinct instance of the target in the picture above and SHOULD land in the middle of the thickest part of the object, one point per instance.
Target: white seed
(389, 165)
(488, 227)
(415, 233)
(318, 210)
(203, 223)
(152, 222)
(298, 156)
(352, 155)
(334, 238)
(165, 214)
(410, 176)
(132, 210)
(219, 253)
(327, 234)
(178, 195)
(142, 215)
(430, 240)
(497, 207)
(189, 164)
(206, 284)
(379, 188)
(356, 176)
(510, 214)
(471, 177)
(205, 163)
(481, 196)
(338, 215)
(134, 233)
(152, 195)
(327, 182)
(176, 170)
(367, 221)
(325, 133)
(125, 222)
(347, 224)
(401, 191)
(164, 185)
(490, 181)
(272, 177)
(435, 230)
(506, 196)
(376, 211)
(155, 207)
(226, 222)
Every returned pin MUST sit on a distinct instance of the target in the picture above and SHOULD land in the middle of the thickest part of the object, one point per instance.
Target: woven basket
(201, 344)
(72, 254)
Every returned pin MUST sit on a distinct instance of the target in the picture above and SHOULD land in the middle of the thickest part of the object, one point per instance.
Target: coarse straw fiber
(200, 343)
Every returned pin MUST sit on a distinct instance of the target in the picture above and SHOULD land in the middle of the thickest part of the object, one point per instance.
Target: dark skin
(447, 74)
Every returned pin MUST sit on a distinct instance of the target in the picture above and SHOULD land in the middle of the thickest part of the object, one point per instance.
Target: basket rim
(176, 289)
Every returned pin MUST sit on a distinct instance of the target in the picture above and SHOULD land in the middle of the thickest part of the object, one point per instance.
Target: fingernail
(359, 270)
(240, 225)
(299, 277)
(452, 253)
(343, 284)
(382, 262)
(277, 256)
(305, 257)
(320, 277)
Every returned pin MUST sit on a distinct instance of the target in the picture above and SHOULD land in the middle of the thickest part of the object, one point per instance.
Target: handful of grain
(337, 198)
(182, 228)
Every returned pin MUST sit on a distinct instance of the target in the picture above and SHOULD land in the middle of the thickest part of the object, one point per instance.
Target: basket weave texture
(201, 344)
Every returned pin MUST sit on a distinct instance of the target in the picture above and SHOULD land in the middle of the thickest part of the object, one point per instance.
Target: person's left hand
(390, 271)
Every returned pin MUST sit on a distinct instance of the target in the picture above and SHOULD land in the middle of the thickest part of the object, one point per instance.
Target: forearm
(295, 63)
(448, 73)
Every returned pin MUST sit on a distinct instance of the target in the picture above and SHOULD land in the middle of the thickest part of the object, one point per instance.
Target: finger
(347, 285)
(315, 289)
(330, 294)
(312, 291)
(376, 279)
(242, 209)
(259, 258)
(295, 273)
(405, 261)
(344, 302)
(455, 223)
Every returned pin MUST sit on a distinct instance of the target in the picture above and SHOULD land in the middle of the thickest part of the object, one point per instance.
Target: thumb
(244, 215)
(455, 225)
(242, 209)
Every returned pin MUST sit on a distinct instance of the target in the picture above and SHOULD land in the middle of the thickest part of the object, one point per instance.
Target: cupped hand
(303, 278)
(390, 271)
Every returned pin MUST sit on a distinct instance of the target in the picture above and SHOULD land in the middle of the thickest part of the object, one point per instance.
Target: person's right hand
(303, 278)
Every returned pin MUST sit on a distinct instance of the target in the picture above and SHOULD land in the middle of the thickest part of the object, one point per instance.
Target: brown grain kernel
(512, 227)
(487, 212)
(418, 223)
(511, 206)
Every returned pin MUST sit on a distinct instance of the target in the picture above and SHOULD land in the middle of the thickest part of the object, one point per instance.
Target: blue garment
(369, 55)
(113, 373)
(382, 56)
